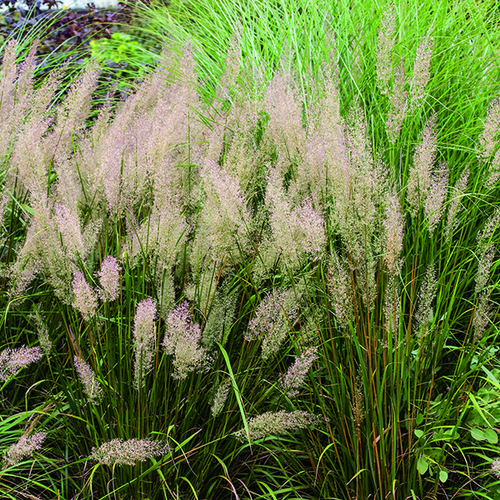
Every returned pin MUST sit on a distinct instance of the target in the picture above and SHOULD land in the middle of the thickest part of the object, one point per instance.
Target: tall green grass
(262, 185)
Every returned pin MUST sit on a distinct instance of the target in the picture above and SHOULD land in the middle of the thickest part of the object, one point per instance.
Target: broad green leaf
(422, 465)
(419, 433)
(491, 436)
(420, 419)
(477, 434)
(443, 476)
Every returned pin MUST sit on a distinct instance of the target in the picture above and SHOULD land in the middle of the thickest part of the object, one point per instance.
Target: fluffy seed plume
(91, 386)
(296, 374)
(421, 71)
(385, 45)
(182, 340)
(129, 452)
(109, 278)
(277, 423)
(340, 291)
(144, 340)
(14, 360)
(394, 232)
(421, 171)
(425, 299)
(487, 140)
(220, 397)
(273, 318)
(397, 105)
(24, 448)
(85, 299)
(438, 189)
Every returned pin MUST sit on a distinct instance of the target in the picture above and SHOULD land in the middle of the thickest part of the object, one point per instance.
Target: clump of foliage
(264, 274)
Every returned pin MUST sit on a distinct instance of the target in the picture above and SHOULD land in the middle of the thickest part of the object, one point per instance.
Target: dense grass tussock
(282, 285)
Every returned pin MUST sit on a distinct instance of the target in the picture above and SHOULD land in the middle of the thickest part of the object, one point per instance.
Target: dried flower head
(24, 448)
(296, 374)
(85, 299)
(182, 340)
(129, 452)
(91, 386)
(109, 278)
(144, 340)
(277, 423)
(14, 360)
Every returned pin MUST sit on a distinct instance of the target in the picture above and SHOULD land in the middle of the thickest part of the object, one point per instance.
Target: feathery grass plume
(455, 204)
(85, 299)
(128, 452)
(392, 304)
(284, 129)
(296, 374)
(43, 332)
(397, 104)
(14, 360)
(481, 318)
(483, 308)
(273, 318)
(340, 290)
(182, 340)
(24, 448)
(224, 215)
(421, 171)
(144, 341)
(358, 404)
(276, 423)
(91, 386)
(484, 236)
(16, 97)
(72, 114)
(220, 397)
(220, 318)
(44, 254)
(494, 172)
(109, 279)
(433, 206)
(296, 231)
(68, 223)
(385, 46)
(161, 235)
(394, 231)
(421, 71)
(487, 140)
(484, 268)
(426, 297)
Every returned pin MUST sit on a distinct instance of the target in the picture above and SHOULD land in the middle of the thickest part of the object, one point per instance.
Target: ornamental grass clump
(274, 194)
